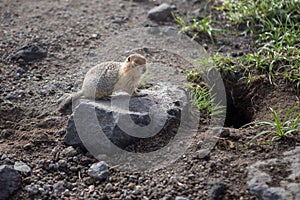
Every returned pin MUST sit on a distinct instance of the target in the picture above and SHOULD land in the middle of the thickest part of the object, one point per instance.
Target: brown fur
(103, 79)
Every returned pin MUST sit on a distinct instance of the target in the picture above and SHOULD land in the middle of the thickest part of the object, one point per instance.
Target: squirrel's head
(137, 62)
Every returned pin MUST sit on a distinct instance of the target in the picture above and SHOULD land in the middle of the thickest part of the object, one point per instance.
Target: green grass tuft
(276, 23)
(196, 27)
(276, 26)
(279, 128)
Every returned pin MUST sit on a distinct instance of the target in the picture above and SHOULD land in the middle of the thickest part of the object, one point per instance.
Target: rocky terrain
(46, 47)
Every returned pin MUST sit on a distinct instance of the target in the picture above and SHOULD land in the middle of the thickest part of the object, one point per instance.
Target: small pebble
(62, 163)
(32, 189)
(181, 198)
(17, 94)
(22, 167)
(48, 187)
(28, 146)
(200, 144)
(203, 153)
(69, 151)
(99, 171)
(91, 188)
(108, 187)
(173, 179)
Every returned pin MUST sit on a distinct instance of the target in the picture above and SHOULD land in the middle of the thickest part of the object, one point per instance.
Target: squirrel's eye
(128, 59)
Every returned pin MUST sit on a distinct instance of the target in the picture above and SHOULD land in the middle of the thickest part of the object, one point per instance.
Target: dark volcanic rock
(10, 181)
(217, 190)
(29, 53)
(159, 112)
(161, 13)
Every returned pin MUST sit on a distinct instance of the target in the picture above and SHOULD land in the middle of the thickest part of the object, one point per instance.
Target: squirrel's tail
(65, 107)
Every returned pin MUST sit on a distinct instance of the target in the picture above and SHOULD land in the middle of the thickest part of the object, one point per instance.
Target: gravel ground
(32, 131)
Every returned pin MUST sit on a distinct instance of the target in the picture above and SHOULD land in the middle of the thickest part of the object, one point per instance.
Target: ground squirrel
(105, 78)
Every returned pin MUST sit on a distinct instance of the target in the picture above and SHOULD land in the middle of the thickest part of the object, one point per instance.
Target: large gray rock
(147, 116)
(10, 181)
